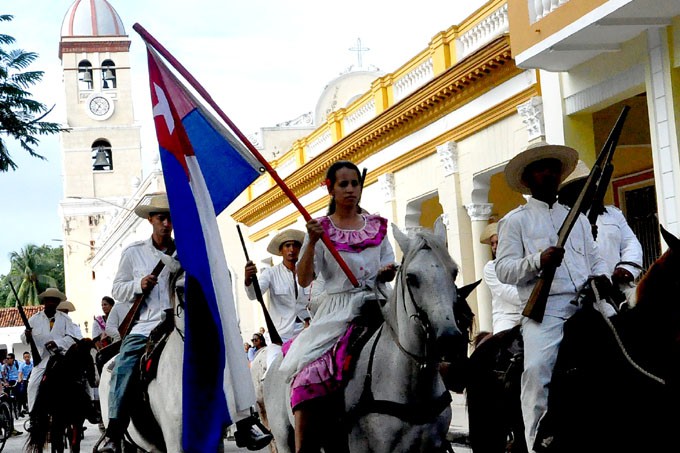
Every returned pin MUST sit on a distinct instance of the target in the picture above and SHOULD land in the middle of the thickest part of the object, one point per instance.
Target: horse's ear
(401, 238)
(465, 291)
(672, 241)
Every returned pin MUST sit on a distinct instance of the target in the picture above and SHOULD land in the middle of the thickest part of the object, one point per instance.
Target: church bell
(101, 160)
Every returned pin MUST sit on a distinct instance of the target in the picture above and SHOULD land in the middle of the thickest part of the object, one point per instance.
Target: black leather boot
(111, 443)
(252, 434)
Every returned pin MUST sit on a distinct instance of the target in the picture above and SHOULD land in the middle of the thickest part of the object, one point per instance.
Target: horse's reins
(619, 342)
(178, 308)
(415, 413)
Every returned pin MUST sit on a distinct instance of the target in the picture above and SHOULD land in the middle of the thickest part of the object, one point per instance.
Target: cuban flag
(205, 168)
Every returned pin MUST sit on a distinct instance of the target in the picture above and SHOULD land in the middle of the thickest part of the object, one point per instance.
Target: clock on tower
(99, 107)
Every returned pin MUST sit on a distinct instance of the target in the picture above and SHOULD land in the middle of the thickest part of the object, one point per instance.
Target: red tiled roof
(9, 317)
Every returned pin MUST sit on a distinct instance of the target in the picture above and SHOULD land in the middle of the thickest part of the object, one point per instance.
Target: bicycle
(6, 420)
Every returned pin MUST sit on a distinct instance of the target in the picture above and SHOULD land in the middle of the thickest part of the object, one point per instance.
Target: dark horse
(615, 383)
(64, 402)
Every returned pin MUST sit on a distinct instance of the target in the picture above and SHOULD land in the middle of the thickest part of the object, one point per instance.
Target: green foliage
(20, 116)
(33, 269)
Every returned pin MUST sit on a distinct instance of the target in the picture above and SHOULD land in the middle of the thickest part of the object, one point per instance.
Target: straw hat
(155, 204)
(275, 244)
(489, 231)
(580, 172)
(535, 152)
(52, 293)
(66, 305)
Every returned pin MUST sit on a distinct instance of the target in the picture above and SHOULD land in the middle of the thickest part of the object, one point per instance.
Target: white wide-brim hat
(52, 293)
(581, 172)
(533, 153)
(157, 203)
(275, 244)
(66, 305)
(488, 232)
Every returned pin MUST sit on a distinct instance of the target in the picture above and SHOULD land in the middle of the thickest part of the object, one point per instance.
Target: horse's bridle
(414, 413)
(420, 317)
(179, 309)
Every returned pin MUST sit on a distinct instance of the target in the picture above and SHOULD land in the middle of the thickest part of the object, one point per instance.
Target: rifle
(595, 184)
(132, 315)
(34, 348)
(607, 170)
(273, 333)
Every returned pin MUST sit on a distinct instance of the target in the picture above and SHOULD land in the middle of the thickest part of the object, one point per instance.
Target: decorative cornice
(387, 187)
(448, 157)
(93, 46)
(460, 84)
(479, 211)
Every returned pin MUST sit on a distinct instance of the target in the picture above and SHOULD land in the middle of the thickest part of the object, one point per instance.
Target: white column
(662, 119)
(479, 215)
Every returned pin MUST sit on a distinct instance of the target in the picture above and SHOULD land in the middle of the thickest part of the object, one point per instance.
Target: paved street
(458, 430)
(16, 444)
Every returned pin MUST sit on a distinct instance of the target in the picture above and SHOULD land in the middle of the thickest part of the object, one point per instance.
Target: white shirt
(617, 242)
(61, 333)
(283, 306)
(137, 261)
(505, 303)
(115, 319)
(530, 229)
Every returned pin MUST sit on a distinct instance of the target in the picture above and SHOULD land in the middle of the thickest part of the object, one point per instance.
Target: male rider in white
(526, 245)
(52, 331)
(287, 299)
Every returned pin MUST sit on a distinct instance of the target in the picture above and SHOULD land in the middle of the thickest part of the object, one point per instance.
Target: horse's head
(422, 309)
(661, 279)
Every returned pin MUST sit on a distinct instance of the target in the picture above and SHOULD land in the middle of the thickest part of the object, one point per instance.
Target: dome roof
(342, 91)
(92, 18)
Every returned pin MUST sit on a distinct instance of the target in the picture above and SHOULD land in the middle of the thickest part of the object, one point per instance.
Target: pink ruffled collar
(355, 241)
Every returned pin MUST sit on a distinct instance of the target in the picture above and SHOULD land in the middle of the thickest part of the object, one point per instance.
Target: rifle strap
(133, 314)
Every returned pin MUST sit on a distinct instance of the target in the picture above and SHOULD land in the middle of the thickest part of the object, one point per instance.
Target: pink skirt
(324, 375)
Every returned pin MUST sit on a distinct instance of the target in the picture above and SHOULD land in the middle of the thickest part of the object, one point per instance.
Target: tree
(20, 116)
(33, 270)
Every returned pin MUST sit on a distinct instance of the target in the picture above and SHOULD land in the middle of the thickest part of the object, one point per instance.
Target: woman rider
(314, 362)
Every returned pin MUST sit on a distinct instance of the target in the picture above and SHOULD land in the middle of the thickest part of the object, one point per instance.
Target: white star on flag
(163, 108)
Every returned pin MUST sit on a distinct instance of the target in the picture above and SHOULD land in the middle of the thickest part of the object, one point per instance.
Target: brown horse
(614, 384)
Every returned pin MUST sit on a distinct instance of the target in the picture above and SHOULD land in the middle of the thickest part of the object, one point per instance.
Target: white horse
(396, 400)
(258, 370)
(165, 391)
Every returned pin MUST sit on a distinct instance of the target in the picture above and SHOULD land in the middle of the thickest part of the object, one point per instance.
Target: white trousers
(541, 343)
(34, 383)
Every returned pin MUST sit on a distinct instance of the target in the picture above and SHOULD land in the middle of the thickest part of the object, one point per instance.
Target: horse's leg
(57, 431)
(75, 435)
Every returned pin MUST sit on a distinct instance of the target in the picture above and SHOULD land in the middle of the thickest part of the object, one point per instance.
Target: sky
(262, 61)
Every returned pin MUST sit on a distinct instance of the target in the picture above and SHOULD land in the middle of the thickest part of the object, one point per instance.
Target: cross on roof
(358, 49)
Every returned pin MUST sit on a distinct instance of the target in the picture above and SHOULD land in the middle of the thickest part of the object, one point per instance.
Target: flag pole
(150, 40)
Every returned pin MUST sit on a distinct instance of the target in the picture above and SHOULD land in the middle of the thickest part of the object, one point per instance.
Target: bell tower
(101, 151)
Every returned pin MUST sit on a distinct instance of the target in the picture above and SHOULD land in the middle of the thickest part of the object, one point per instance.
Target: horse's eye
(412, 280)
